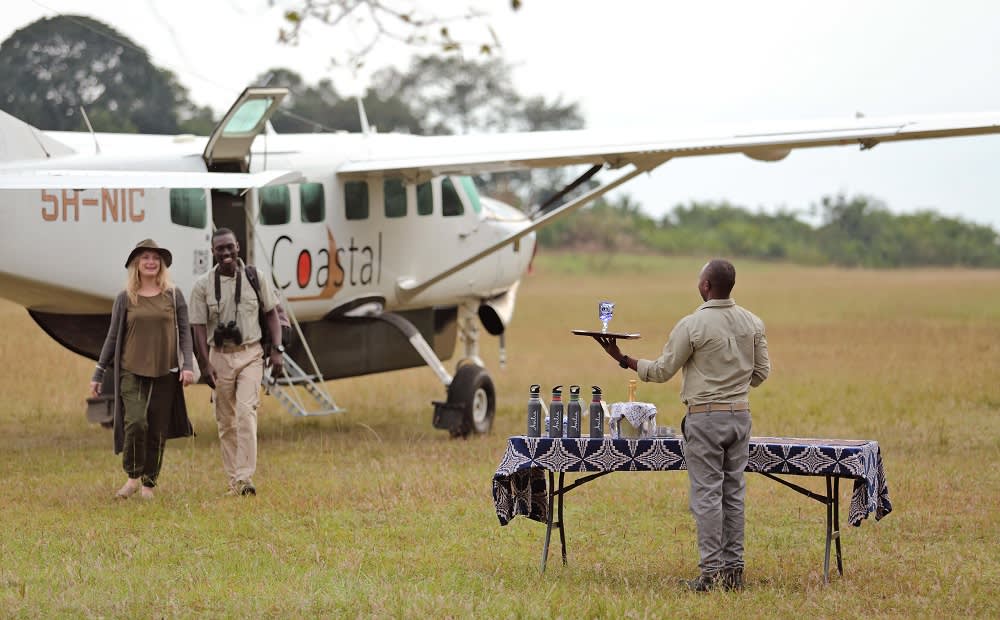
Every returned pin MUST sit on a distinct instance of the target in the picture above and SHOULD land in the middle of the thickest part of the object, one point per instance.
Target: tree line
(856, 231)
(55, 67)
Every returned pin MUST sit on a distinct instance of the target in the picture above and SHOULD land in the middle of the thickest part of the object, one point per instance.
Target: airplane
(379, 244)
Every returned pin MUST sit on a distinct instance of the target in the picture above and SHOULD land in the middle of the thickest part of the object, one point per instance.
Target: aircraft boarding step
(299, 393)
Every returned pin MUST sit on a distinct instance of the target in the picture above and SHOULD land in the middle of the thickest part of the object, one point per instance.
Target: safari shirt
(208, 312)
(722, 349)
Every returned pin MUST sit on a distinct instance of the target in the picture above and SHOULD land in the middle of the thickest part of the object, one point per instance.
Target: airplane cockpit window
(394, 193)
(472, 192)
(247, 116)
(188, 207)
(312, 201)
(356, 200)
(425, 199)
(275, 205)
(451, 202)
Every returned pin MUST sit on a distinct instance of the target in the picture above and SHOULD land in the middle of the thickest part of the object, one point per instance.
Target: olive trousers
(148, 402)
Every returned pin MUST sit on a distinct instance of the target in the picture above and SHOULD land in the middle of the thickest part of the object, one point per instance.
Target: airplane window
(313, 204)
(470, 190)
(356, 200)
(395, 198)
(451, 203)
(247, 117)
(275, 205)
(425, 199)
(188, 207)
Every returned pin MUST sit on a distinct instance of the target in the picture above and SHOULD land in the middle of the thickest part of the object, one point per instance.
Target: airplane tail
(20, 141)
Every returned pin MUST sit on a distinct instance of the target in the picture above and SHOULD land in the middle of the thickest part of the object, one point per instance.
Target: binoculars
(228, 331)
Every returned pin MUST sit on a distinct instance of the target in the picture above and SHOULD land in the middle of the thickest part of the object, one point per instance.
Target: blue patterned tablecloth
(519, 484)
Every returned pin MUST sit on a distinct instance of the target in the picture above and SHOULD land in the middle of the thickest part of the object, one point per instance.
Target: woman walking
(148, 349)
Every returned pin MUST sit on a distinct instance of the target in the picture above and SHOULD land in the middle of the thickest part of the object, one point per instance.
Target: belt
(737, 407)
(234, 348)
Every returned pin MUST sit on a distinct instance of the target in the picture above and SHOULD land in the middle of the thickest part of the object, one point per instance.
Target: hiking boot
(732, 579)
(246, 488)
(705, 582)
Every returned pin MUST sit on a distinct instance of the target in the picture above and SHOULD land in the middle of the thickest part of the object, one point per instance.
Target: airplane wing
(420, 159)
(123, 179)
(433, 156)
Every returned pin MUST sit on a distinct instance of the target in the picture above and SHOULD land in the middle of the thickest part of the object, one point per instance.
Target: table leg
(562, 527)
(556, 518)
(549, 515)
(832, 502)
(832, 526)
(836, 523)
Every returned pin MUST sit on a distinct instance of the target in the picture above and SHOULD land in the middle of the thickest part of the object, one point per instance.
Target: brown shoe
(128, 489)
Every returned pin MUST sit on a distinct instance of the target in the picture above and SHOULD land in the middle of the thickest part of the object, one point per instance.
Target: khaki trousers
(716, 449)
(237, 397)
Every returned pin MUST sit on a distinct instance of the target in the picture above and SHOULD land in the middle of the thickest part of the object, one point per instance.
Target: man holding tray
(723, 352)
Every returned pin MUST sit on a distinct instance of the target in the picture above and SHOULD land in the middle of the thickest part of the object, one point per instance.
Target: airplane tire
(472, 389)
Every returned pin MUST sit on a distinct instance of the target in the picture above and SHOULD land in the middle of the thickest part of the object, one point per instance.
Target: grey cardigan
(179, 424)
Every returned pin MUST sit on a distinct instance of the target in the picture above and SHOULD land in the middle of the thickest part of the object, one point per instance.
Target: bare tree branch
(400, 21)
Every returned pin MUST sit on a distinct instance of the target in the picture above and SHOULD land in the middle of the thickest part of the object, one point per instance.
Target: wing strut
(543, 208)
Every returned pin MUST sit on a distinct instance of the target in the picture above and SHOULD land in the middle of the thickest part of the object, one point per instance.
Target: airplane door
(228, 148)
(229, 211)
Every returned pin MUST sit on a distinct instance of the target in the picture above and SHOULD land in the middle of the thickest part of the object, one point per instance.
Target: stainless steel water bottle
(573, 412)
(556, 413)
(534, 411)
(596, 415)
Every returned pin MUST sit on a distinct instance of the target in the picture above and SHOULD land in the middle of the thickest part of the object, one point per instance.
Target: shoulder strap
(251, 272)
(218, 293)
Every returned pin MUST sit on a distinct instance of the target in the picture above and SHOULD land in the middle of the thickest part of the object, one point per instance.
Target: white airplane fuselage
(61, 251)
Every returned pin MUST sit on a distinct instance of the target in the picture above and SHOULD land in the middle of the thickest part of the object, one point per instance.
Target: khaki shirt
(722, 349)
(204, 310)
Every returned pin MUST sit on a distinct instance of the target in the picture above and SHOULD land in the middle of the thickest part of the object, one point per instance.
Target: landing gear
(472, 402)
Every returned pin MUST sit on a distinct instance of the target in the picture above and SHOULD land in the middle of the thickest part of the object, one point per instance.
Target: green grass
(374, 513)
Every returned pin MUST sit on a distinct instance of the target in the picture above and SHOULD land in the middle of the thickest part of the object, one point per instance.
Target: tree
(453, 95)
(320, 108)
(371, 22)
(54, 66)
(456, 95)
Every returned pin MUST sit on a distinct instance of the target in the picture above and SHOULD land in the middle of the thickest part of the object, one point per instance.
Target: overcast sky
(638, 63)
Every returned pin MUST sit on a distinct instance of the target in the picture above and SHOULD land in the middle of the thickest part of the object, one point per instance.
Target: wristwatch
(624, 362)
(280, 348)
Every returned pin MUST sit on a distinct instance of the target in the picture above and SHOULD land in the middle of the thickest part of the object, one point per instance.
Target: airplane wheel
(472, 388)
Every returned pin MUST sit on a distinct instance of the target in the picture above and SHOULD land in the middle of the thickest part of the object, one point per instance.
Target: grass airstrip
(374, 513)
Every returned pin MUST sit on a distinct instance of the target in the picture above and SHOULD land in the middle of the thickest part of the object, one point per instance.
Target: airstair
(300, 393)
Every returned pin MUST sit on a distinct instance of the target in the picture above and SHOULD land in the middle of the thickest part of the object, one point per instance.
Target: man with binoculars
(227, 340)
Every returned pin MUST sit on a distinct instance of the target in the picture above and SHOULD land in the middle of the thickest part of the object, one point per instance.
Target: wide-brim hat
(149, 244)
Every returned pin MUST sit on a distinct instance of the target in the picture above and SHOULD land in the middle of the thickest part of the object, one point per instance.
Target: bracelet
(624, 362)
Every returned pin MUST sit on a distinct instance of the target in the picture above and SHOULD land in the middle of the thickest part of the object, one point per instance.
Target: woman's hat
(149, 244)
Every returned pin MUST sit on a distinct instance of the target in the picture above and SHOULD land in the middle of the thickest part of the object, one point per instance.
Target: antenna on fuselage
(97, 146)
(365, 127)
